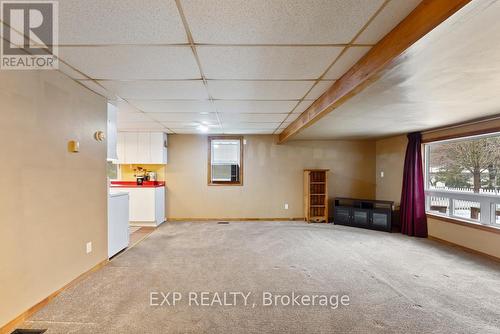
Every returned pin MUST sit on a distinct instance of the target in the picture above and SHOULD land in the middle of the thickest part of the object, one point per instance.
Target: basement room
(250, 166)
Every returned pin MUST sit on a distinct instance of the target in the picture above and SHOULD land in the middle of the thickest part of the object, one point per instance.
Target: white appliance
(118, 222)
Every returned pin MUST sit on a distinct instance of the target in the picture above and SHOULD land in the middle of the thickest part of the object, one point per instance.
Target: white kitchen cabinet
(158, 147)
(142, 148)
(130, 147)
(143, 155)
(146, 205)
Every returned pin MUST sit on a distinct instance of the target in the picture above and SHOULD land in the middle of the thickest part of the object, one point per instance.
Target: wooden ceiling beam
(425, 17)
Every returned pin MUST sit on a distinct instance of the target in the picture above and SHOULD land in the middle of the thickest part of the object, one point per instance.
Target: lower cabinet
(369, 214)
(147, 205)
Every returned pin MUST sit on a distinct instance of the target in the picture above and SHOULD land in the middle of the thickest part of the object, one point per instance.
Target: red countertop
(133, 184)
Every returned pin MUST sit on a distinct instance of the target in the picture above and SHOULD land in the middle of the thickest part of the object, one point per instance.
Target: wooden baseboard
(466, 249)
(232, 219)
(11, 325)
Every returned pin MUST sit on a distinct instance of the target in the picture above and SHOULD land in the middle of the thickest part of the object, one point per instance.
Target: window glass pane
(225, 152)
(225, 160)
(439, 205)
(466, 210)
(465, 171)
(467, 165)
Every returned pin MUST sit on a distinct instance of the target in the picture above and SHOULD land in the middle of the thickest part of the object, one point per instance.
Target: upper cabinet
(142, 148)
(112, 133)
(158, 145)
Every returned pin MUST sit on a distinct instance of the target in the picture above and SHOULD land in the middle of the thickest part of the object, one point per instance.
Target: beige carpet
(395, 284)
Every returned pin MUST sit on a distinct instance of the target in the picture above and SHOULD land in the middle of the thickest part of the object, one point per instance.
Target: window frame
(209, 162)
(487, 202)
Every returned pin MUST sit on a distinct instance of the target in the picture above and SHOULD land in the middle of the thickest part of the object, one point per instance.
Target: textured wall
(51, 202)
(272, 176)
(390, 160)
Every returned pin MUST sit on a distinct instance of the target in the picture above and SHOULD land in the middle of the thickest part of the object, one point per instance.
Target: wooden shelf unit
(316, 195)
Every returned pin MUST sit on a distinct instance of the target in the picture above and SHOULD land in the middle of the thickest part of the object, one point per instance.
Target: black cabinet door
(361, 217)
(381, 220)
(342, 215)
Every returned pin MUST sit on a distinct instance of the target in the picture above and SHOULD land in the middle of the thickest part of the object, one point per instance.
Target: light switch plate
(286, 206)
(89, 247)
(382, 174)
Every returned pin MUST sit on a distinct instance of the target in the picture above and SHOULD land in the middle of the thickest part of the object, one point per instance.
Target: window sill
(465, 223)
(229, 184)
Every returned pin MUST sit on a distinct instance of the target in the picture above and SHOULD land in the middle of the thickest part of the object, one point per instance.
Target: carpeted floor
(395, 284)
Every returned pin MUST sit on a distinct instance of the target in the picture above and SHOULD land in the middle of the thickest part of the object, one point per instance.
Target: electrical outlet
(89, 247)
(286, 206)
(382, 174)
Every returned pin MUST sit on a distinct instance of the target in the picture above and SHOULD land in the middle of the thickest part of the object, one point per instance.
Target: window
(225, 160)
(462, 178)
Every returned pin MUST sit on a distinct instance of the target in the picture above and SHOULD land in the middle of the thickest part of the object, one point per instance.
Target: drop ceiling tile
(259, 90)
(183, 117)
(241, 118)
(127, 62)
(266, 62)
(190, 124)
(236, 131)
(139, 126)
(195, 130)
(123, 106)
(125, 117)
(165, 106)
(119, 21)
(250, 125)
(319, 89)
(157, 89)
(72, 73)
(284, 125)
(346, 61)
(292, 117)
(260, 107)
(386, 20)
(277, 21)
(302, 107)
(98, 89)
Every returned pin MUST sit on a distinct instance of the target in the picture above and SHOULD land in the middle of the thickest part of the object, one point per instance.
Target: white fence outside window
(482, 207)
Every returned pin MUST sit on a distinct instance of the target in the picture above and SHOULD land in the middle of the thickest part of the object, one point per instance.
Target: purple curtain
(413, 218)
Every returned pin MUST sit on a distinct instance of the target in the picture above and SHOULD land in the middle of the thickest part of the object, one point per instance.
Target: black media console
(375, 215)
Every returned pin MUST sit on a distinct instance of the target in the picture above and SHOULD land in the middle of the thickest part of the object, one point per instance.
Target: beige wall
(479, 240)
(272, 176)
(51, 202)
(390, 158)
(390, 155)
